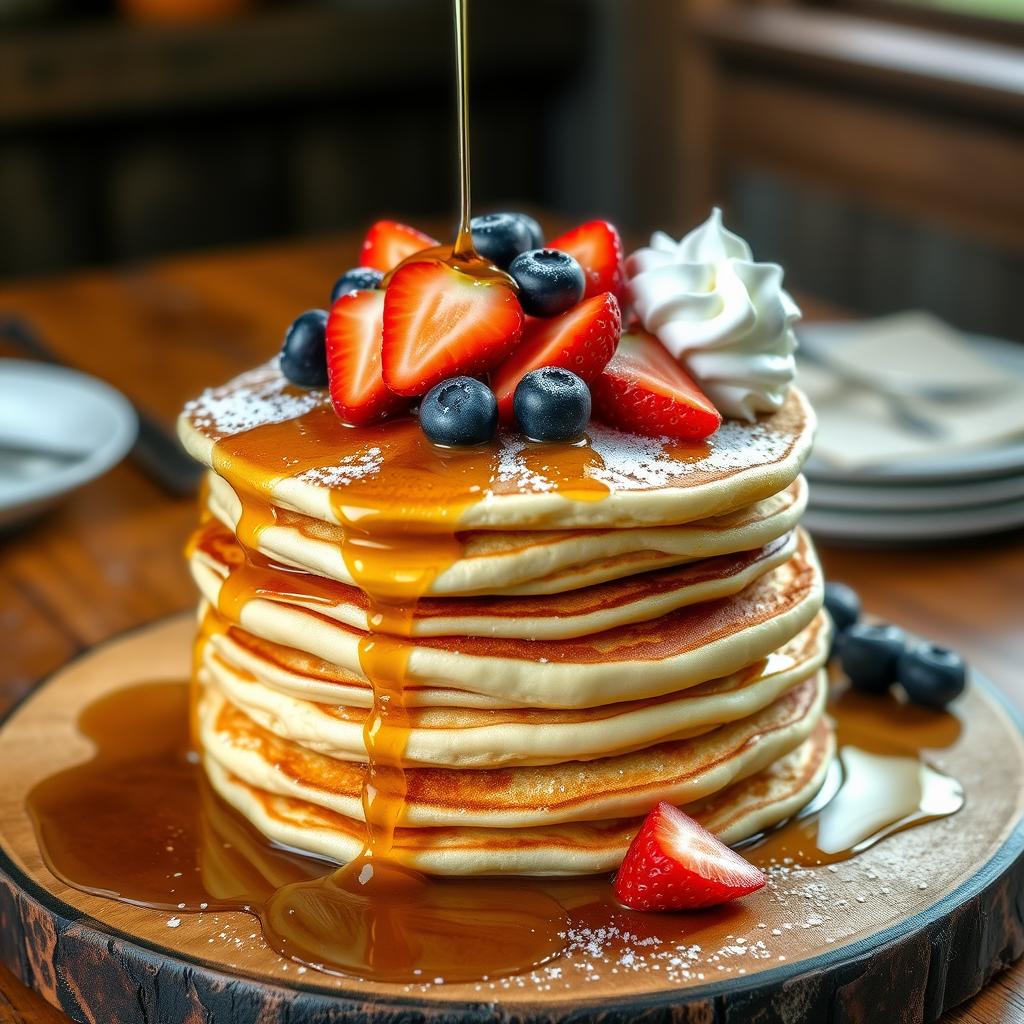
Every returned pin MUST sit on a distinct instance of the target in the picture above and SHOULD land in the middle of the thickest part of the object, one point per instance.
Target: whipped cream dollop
(726, 318)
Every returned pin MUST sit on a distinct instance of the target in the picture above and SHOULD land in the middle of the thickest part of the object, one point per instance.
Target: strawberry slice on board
(440, 322)
(354, 332)
(388, 242)
(644, 390)
(582, 339)
(674, 864)
(598, 250)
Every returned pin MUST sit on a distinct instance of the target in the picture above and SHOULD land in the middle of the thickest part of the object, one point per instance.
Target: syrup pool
(139, 823)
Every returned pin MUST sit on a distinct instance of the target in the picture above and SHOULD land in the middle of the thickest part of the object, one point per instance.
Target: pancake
(572, 632)
(478, 738)
(528, 562)
(278, 445)
(621, 785)
(688, 646)
(737, 812)
(216, 556)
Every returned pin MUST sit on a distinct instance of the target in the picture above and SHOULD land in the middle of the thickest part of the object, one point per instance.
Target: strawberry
(388, 243)
(582, 339)
(439, 322)
(645, 390)
(674, 864)
(598, 250)
(354, 329)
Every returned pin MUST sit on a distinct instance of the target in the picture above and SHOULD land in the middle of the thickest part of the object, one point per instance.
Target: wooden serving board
(899, 933)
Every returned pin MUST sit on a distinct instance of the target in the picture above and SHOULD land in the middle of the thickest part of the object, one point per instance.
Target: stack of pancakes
(580, 632)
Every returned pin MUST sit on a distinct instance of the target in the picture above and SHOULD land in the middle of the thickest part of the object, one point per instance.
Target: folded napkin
(859, 412)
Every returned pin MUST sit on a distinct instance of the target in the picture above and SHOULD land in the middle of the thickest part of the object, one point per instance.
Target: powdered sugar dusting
(624, 462)
(255, 398)
(358, 466)
(512, 469)
(809, 910)
(633, 461)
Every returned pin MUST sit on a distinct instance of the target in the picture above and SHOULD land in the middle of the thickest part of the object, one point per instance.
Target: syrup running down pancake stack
(498, 659)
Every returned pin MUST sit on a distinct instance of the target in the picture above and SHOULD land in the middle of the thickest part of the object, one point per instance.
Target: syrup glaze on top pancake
(259, 428)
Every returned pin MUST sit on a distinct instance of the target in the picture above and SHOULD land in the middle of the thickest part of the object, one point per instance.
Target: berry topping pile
(877, 656)
(528, 335)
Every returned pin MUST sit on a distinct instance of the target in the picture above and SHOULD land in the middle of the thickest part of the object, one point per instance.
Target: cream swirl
(725, 317)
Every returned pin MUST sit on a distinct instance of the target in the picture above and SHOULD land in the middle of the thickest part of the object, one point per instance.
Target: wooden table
(111, 558)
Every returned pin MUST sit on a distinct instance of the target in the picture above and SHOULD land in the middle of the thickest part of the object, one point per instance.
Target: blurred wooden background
(874, 147)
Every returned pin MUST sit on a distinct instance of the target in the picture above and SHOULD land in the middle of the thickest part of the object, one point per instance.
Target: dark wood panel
(967, 176)
(110, 67)
(972, 74)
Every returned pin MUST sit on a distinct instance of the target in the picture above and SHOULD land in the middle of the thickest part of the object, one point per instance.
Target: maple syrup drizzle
(461, 255)
(463, 248)
(394, 566)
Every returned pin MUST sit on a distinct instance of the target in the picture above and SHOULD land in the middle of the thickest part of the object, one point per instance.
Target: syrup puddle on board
(877, 785)
(139, 823)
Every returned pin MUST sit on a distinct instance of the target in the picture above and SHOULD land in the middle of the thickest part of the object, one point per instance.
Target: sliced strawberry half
(643, 389)
(582, 339)
(387, 243)
(354, 331)
(598, 250)
(674, 864)
(439, 322)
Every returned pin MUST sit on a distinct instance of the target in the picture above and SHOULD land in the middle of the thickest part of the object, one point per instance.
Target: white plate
(893, 497)
(1003, 460)
(862, 527)
(65, 410)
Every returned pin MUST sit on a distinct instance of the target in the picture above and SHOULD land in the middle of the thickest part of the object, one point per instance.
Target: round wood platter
(901, 932)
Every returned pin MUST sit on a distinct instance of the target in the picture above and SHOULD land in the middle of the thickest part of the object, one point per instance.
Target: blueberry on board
(500, 237)
(458, 412)
(869, 655)
(356, 280)
(550, 281)
(932, 676)
(304, 353)
(552, 404)
(843, 606)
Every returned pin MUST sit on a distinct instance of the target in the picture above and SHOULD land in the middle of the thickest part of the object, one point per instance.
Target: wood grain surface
(111, 558)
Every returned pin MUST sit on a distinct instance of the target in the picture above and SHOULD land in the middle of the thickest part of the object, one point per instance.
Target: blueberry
(869, 655)
(552, 404)
(501, 237)
(843, 607)
(550, 281)
(932, 676)
(356, 280)
(533, 226)
(304, 354)
(459, 411)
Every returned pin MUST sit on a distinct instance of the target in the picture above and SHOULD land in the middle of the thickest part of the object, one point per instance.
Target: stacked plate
(944, 495)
